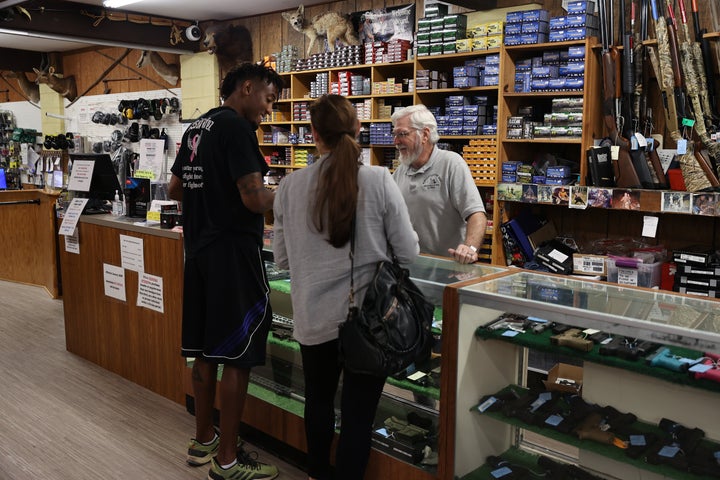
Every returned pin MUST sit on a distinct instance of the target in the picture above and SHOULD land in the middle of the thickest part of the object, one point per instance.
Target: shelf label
(501, 472)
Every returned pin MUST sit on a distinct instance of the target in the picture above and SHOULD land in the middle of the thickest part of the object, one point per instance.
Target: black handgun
(627, 348)
(564, 471)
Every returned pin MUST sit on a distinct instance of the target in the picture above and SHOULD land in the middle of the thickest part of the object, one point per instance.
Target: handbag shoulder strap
(352, 261)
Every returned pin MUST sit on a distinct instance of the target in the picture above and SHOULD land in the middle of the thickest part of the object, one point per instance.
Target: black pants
(359, 400)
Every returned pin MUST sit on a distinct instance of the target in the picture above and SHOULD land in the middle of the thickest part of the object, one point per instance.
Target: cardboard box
(587, 264)
(564, 372)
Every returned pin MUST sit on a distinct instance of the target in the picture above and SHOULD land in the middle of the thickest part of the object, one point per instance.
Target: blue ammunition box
(579, 33)
(455, 121)
(582, 20)
(455, 131)
(470, 120)
(532, 38)
(512, 40)
(492, 70)
(551, 57)
(573, 69)
(581, 7)
(540, 179)
(479, 100)
(523, 64)
(510, 166)
(476, 62)
(539, 84)
(574, 83)
(441, 120)
(576, 53)
(521, 77)
(493, 59)
(469, 130)
(455, 100)
(470, 110)
(563, 57)
(454, 110)
(513, 17)
(509, 177)
(513, 29)
(558, 23)
(535, 27)
(557, 83)
(556, 171)
(546, 71)
(539, 15)
(489, 129)
(490, 80)
(465, 71)
(537, 61)
(558, 181)
(557, 35)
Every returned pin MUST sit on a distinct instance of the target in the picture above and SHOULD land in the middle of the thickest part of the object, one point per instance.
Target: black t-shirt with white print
(217, 149)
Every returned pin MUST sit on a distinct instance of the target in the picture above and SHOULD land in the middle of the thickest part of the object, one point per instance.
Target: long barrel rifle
(625, 174)
(701, 47)
(692, 83)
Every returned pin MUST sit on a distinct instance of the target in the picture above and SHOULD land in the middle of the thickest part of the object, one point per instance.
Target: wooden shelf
(492, 88)
(566, 140)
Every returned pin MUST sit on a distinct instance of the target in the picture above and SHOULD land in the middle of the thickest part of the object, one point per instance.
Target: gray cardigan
(320, 273)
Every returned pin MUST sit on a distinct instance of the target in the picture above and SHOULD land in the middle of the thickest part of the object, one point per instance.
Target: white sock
(229, 465)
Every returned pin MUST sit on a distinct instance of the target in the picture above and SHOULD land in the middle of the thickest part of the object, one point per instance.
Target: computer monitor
(103, 183)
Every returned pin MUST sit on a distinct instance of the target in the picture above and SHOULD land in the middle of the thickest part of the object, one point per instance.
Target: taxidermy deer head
(65, 86)
(328, 25)
(170, 72)
(28, 88)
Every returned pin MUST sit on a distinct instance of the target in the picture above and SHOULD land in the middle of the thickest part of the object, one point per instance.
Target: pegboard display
(79, 120)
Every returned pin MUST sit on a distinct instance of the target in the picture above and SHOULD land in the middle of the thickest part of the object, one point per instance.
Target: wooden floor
(62, 417)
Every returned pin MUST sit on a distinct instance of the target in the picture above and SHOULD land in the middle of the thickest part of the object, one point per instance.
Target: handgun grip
(626, 176)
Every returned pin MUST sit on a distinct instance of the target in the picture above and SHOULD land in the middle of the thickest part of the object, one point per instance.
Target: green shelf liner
(541, 342)
(512, 455)
(282, 286)
(288, 404)
(605, 450)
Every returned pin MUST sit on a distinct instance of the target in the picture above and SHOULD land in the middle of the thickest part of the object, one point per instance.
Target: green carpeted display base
(515, 456)
(282, 286)
(608, 451)
(288, 404)
(542, 343)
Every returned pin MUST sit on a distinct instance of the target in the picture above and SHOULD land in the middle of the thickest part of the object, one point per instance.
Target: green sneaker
(247, 468)
(200, 454)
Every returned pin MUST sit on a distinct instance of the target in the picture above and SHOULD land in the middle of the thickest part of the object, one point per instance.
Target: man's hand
(464, 253)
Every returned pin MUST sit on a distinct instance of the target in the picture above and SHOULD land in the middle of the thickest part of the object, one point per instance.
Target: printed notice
(81, 176)
(150, 292)
(72, 243)
(152, 158)
(114, 279)
(72, 215)
(131, 253)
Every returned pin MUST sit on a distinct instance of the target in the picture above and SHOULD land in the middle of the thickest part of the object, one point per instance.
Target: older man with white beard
(445, 206)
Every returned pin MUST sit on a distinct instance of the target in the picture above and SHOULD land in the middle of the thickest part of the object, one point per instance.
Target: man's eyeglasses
(404, 134)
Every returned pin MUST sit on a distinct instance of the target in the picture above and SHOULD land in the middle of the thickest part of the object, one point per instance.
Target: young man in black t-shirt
(218, 175)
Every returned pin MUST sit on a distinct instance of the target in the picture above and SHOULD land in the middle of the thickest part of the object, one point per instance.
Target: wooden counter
(28, 238)
(137, 343)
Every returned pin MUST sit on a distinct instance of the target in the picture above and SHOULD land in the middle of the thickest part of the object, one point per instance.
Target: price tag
(638, 440)
(486, 404)
(642, 141)
(614, 152)
(669, 451)
(509, 333)
(682, 146)
(688, 122)
(554, 420)
(633, 143)
(501, 472)
(700, 368)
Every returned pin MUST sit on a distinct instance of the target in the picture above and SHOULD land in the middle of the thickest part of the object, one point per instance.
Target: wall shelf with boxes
(490, 364)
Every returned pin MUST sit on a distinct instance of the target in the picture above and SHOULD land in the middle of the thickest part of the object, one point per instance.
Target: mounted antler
(170, 72)
(28, 88)
(65, 86)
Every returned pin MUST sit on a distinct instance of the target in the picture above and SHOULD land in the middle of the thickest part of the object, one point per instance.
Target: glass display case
(498, 321)
(407, 420)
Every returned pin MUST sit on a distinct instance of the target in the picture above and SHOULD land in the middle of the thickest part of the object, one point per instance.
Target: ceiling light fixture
(118, 3)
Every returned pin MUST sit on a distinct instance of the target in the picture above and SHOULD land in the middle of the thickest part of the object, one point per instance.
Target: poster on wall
(384, 25)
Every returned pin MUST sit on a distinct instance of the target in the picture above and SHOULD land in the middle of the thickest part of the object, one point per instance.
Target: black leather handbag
(391, 329)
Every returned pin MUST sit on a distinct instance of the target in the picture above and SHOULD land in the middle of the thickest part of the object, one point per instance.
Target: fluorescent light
(14, 32)
(118, 3)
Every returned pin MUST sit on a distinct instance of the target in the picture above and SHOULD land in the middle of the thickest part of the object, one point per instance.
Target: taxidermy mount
(328, 25)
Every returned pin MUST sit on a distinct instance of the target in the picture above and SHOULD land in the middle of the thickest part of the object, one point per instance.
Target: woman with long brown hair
(317, 209)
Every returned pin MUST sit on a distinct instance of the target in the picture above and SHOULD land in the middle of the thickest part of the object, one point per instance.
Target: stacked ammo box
(697, 272)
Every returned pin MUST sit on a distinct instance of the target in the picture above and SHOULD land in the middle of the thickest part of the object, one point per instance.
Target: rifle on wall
(701, 49)
(625, 174)
(691, 69)
(666, 67)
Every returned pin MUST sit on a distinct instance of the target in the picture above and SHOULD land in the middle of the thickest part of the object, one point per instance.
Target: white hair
(420, 117)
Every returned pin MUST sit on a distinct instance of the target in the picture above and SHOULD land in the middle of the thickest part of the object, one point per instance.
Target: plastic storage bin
(641, 274)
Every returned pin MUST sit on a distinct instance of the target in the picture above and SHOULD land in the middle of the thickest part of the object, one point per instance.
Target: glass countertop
(663, 317)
